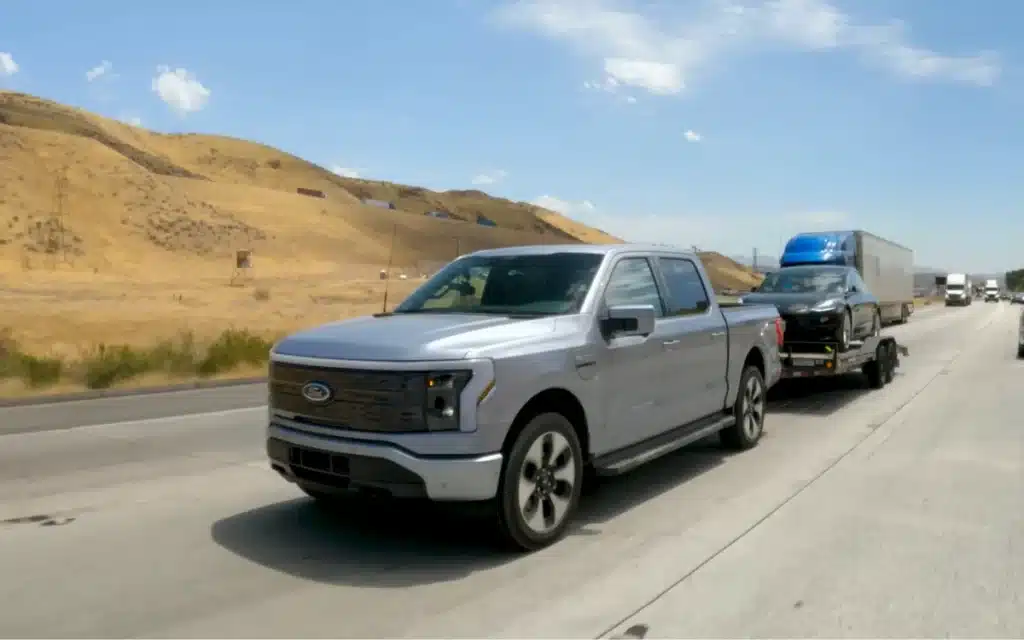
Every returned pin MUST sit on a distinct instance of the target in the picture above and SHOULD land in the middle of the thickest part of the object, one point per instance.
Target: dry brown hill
(101, 197)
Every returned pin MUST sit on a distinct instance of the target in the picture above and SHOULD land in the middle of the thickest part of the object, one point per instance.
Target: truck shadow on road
(816, 396)
(395, 545)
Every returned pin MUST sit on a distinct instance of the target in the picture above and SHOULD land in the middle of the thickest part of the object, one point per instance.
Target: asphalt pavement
(891, 513)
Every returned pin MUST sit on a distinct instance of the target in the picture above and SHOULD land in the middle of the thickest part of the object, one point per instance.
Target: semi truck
(991, 291)
(886, 267)
(958, 290)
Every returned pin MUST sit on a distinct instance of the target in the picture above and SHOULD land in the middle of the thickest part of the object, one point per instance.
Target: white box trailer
(887, 268)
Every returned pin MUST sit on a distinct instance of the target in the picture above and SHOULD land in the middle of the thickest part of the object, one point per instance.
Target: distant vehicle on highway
(821, 303)
(886, 268)
(991, 291)
(1017, 297)
(958, 289)
(511, 371)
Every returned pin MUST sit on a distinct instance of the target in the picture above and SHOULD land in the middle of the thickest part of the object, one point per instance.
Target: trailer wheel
(880, 370)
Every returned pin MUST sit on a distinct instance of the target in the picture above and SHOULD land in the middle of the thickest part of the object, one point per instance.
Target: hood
(790, 302)
(413, 337)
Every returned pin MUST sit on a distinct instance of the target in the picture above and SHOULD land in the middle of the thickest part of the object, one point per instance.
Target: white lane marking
(261, 410)
(143, 396)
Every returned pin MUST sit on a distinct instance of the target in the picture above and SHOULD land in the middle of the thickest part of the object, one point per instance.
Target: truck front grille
(362, 400)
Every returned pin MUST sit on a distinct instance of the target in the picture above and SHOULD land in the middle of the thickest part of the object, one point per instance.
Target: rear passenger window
(686, 294)
(632, 282)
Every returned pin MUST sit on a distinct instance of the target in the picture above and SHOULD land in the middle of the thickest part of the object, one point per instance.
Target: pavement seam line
(757, 523)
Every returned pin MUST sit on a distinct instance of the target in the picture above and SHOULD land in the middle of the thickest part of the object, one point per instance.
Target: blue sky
(725, 124)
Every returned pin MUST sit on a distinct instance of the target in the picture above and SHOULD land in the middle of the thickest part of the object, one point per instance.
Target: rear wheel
(1020, 351)
(748, 411)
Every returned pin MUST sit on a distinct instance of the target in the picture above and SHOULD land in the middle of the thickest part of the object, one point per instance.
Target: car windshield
(524, 285)
(805, 280)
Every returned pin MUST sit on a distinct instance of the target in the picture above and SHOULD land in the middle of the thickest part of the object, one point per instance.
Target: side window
(632, 282)
(686, 294)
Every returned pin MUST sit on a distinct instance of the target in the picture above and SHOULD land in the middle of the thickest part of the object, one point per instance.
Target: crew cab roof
(600, 249)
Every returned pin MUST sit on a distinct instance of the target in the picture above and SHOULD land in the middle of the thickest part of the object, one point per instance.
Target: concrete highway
(892, 513)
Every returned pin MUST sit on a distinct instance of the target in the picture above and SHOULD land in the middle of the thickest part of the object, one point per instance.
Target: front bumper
(335, 464)
(812, 327)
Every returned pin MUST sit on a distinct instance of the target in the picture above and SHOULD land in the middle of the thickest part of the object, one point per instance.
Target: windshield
(534, 285)
(805, 280)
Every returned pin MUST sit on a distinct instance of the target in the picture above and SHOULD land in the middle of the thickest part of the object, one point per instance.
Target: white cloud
(490, 177)
(8, 67)
(345, 172)
(565, 207)
(660, 54)
(134, 121)
(180, 90)
(692, 136)
(102, 69)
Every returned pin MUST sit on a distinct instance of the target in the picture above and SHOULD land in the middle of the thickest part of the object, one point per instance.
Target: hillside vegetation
(110, 233)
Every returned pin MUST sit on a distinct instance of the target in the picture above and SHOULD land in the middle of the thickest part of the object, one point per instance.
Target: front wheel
(748, 411)
(844, 331)
(540, 484)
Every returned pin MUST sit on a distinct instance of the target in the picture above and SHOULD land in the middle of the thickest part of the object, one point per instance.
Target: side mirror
(629, 320)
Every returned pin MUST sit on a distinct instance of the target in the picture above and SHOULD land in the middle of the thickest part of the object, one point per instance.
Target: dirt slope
(84, 194)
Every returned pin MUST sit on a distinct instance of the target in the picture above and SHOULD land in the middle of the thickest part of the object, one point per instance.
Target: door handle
(717, 334)
(670, 343)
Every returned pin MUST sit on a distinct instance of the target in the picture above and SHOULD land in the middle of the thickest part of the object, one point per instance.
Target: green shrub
(36, 371)
(108, 365)
(232, 348)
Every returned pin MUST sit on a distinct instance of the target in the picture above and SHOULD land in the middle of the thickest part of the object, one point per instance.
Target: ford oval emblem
(316, 392)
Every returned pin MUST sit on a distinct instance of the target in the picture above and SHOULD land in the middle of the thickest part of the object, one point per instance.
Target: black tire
(890, 363)
(545, 431)
(880, 370)
(1020, 352)
(844, 333)
(749, 411)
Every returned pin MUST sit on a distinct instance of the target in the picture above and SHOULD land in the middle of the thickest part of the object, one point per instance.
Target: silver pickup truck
(512, 371)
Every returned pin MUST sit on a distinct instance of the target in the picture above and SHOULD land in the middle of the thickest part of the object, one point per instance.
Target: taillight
(780, 331)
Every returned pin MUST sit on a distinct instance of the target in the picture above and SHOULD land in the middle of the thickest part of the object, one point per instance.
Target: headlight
(828, 305)
(444, 391)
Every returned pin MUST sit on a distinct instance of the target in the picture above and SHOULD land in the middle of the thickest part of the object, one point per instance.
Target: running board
(633, 456)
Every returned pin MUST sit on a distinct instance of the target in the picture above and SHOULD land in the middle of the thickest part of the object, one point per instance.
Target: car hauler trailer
(877, 357)
(887, 268)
